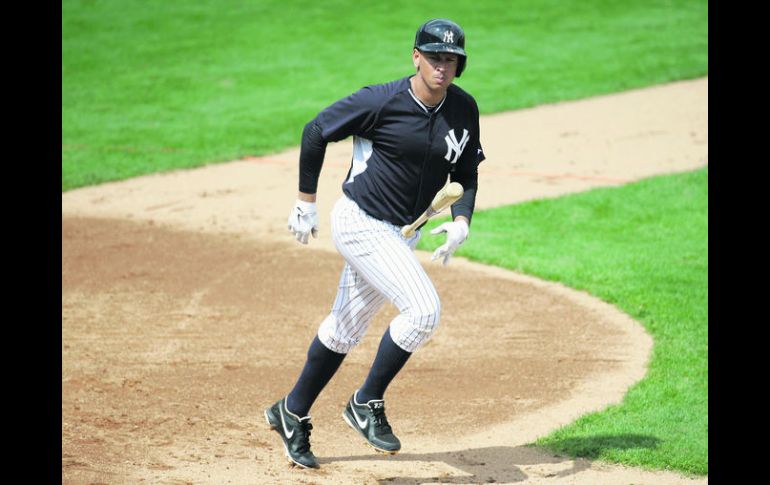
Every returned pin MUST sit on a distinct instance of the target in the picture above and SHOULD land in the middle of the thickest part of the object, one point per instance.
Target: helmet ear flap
(460, 65)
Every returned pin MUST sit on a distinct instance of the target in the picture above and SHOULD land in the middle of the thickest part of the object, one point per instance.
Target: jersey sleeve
(352, 115)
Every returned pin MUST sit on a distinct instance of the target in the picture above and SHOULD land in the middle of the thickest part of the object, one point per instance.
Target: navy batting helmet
(442, 35)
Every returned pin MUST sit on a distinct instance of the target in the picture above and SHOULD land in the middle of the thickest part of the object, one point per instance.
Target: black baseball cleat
(370, 421)
(295, 433)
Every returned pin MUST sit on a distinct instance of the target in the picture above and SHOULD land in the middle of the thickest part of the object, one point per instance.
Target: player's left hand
(456, 233)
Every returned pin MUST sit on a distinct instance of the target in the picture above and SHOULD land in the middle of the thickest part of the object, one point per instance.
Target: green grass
(643, 248)
(150, 86)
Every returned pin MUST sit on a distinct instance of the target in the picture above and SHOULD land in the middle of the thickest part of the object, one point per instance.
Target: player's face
(437, 69)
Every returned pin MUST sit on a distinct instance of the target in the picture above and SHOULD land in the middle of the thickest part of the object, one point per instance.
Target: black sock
(388, 362)
(319, 368)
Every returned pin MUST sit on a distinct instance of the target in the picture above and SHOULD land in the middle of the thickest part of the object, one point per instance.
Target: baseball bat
(443, 199)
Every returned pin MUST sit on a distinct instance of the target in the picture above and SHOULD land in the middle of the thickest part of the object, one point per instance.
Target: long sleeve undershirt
(311, 157)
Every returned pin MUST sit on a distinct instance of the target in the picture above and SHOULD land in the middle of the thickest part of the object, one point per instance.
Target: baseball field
(574, 336)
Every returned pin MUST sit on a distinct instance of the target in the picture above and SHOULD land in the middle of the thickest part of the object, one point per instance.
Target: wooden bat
(443, 199)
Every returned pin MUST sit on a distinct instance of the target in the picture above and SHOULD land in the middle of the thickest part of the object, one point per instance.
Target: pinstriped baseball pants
(380, 266)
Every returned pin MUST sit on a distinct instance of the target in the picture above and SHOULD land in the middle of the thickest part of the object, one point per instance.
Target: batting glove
(456, 233)
(303, 220)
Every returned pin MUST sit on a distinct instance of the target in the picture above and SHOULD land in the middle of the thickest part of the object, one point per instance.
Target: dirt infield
(187, 309)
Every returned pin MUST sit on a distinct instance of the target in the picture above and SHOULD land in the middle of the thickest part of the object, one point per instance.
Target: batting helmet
(442, 35)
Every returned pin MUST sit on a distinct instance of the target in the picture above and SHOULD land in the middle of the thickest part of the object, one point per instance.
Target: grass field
(154, 86)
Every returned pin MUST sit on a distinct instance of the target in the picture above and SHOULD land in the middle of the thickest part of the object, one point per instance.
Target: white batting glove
(456, 233)
(303, 220)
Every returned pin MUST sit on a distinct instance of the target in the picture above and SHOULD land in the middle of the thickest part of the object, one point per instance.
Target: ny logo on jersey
(453, 145)
(449, 37)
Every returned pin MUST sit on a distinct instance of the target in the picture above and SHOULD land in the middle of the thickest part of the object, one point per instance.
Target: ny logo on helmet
(453, 145)
(449, 37)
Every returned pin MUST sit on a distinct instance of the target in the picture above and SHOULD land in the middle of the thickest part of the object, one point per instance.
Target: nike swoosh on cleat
(283, 422)
(361, 424)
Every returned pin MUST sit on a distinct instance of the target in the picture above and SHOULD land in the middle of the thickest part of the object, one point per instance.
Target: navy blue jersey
(403, 151)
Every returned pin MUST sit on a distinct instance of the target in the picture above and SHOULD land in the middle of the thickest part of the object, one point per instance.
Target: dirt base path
(187, 309)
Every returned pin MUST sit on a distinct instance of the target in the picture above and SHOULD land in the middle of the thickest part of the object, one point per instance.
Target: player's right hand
(303, 220)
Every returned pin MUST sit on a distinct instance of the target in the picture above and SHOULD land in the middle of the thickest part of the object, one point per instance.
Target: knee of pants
(340, 336)
(411, 330)
(426, 319)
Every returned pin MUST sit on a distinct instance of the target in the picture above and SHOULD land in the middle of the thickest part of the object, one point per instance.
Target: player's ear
(416, 58)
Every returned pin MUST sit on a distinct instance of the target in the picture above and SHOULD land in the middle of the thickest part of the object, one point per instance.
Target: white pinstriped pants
(380, 266)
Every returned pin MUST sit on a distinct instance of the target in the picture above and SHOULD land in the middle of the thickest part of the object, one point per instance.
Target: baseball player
(409, 137)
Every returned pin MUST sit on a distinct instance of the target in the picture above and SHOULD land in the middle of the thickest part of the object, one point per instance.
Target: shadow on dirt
(503, 464)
